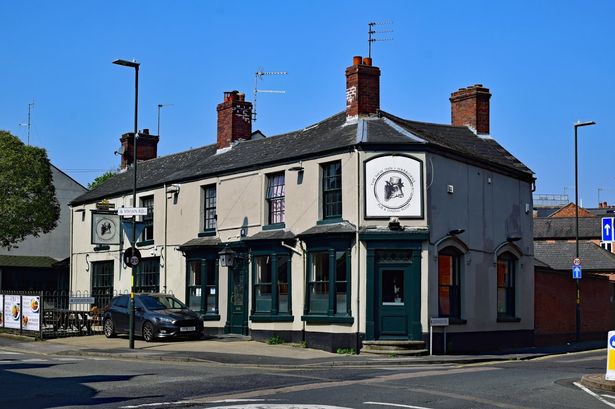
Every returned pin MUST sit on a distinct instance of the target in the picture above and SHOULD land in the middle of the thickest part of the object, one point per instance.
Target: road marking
(34, 360)
(593, 358)
(69, 359)
(146, 405)
(9, 353)
(395, 404)
(242, 400)
(595, 395)
(608, 396)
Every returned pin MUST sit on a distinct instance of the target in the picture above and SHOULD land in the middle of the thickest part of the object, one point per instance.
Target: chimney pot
(234, 119)
(470, 107)
(362, 88)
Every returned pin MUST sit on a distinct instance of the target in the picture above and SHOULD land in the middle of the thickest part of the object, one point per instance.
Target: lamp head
(126, 63)
(586, 123)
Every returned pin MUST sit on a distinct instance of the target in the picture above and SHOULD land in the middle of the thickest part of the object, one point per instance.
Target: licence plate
(187, 329)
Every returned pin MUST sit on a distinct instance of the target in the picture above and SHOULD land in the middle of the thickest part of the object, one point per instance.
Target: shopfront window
(202, 286)
(449, 289)
(271, 290)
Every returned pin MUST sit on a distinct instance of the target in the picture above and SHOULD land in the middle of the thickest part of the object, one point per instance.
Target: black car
(156, 316)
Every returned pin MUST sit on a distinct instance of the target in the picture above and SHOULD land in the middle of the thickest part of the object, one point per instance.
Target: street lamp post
(576, 219)
(131, 307)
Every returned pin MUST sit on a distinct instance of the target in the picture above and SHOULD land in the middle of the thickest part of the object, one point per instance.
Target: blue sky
(547, 64)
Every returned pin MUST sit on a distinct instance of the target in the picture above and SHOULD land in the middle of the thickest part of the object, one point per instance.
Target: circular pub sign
(132, 257)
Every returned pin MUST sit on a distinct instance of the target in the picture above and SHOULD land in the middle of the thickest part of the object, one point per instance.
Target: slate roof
(333, 134)
(564, 228)
(272, 235)
(27, 261)
(200, 242)
(333, 228)
(559, 254)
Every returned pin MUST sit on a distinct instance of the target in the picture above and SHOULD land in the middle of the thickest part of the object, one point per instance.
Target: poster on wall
(12, 311)
(30, 316)
(394, 187)
(105, 228)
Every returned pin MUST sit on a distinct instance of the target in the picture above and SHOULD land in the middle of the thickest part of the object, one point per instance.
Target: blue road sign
(576, 272)
(607, 229)
(612, 342)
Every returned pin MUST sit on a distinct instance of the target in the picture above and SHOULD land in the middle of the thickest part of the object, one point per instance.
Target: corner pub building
(359, 228)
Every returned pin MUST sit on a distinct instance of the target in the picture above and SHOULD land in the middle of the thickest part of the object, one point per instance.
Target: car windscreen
(161, 302)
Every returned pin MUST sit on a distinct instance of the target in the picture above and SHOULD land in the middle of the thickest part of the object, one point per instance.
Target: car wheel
(108, 328)
(148, 331)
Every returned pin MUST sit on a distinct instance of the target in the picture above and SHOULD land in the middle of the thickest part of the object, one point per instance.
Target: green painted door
(238, 296)
(393, 302)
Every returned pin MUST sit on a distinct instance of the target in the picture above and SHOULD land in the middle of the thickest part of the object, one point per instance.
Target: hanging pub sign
(105, 205)
(105, 228)
(394, 187)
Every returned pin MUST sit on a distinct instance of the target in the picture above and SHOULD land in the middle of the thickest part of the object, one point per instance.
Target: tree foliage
(99, 179)
(28, 203)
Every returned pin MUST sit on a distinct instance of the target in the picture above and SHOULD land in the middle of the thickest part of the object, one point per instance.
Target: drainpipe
(166, 205)
(358, 251)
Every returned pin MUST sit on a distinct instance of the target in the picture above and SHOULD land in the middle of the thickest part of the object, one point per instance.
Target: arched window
(506, 270)
(449, 282)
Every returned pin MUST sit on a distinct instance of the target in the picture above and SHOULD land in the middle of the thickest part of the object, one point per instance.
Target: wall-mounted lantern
(227, 257)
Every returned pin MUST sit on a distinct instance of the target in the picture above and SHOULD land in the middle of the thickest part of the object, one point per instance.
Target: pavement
(239, 350)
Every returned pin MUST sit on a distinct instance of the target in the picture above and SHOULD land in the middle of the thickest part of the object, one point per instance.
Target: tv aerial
(259, 76)
(371, 32)
(29, 123)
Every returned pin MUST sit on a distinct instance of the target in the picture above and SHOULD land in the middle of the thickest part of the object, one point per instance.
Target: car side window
(121, 302)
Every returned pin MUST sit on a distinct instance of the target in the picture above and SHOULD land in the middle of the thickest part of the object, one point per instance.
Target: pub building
(353, 232)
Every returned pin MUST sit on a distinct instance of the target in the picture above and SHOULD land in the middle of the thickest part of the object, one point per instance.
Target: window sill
(207, 233)
(274, 226)
(327, 319)
(508, 319)
(271, 318)
(332, 220)
(210, 317)
(145, 243)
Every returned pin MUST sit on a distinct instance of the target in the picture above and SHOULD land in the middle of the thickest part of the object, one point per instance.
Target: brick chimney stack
(470, 107)
(234, 119)
(362, 88)
(147, 147)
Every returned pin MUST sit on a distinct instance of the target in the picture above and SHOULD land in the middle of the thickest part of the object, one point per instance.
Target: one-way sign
(607, 229)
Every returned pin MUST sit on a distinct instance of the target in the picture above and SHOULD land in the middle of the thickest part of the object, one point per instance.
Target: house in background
(352, 232)
(41, 263)
(555, 289)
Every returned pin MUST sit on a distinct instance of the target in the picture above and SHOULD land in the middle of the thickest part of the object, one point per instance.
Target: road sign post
(610, 358)
(607, 229)
(577, 272)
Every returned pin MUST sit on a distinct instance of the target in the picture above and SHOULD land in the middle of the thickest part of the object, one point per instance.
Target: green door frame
(237, 315)
(389, 241)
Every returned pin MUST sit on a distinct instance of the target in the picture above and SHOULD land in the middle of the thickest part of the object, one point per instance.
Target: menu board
(12, 311)
(30, 317)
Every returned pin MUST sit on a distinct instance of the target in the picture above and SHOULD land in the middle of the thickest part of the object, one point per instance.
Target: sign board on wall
(394, 187)
(105, 228)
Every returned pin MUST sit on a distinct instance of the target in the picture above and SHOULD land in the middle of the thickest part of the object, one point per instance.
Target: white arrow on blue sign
(576, 272)
(607, 229)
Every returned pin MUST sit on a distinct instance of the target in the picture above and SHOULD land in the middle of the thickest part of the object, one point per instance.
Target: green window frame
(202, 293)
(102, 282)
(148, 233)
(506, 272)
(332, 190)
(209, 208)
(271, 288)
(147, 276)
(328, 286)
